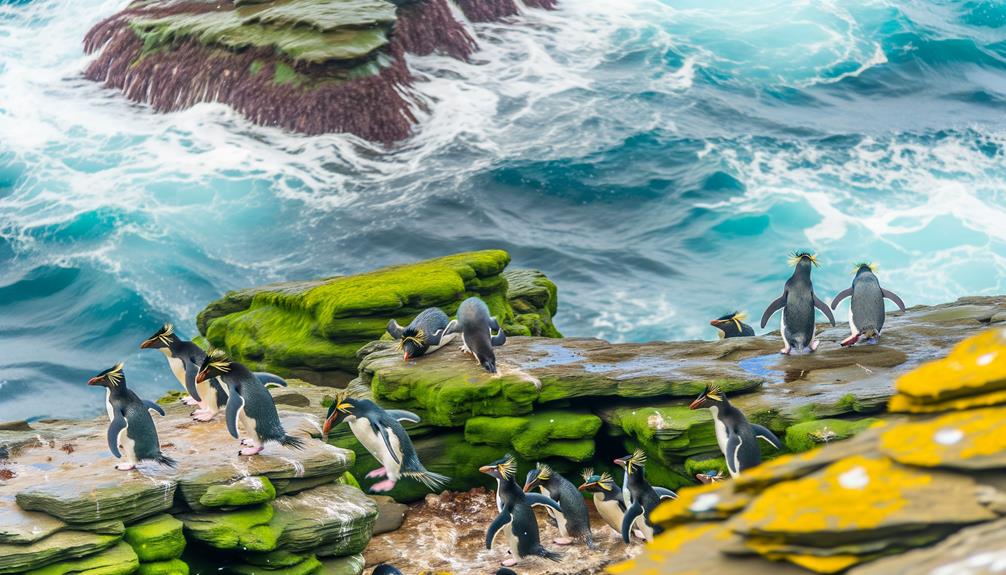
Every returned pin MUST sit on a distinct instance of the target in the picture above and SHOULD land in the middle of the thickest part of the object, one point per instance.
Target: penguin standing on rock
(643, 498)
(248, 404)
(574, 519)
(737, 438)
(607, 497)
(866, 313)
(132, 434)
(477, 327)
(732, 325)
(381, 432)
(185, 359)
(516, 518)
(425, 334)
(797, 303)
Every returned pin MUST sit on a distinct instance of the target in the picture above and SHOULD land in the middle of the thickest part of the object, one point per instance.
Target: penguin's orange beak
(584, 486)
(147, 344)
(620, 462)
(528, 486)
(94, 381)
(698, 403)
(329, 422)
(405, 356)
(201, 376)
(714, 322)
(487, 469)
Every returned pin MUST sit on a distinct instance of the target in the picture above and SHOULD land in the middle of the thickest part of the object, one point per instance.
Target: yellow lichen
(955, 437)
(833, 564)
(906, 404)
(699, 502)
(977, 364)
(661, 556)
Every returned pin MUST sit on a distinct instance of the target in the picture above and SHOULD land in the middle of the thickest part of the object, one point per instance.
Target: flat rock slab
(979, 550)
(969, 440)
(330, 520)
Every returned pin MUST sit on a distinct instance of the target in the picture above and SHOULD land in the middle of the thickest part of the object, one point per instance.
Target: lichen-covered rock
(241, 492)
(249, 529)
(116, 560)
(715, 501)
(157, 538)
(968, 440)
(550, 433)
(810, 434)
(314, 329)
(61, 546)
(171, 567)
(978, 550)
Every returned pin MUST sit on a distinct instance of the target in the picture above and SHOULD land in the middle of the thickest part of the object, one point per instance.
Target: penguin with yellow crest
(732, 325)
(797, 303)
(866, 312)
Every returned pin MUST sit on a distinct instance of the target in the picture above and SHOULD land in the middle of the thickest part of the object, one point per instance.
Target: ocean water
(658, 159)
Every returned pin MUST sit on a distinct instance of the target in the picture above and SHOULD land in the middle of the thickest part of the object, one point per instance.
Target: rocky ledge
(65, 509)
(310, 66)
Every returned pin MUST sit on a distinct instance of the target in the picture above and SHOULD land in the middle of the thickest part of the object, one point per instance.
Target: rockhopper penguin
(185, 359)
(248, 404)
(477, 327)
(797, 303)
(574, 519)
(131, 432)
(425, 334)
(639, 496)
(381, 432)
(737, 438)
(607, 497)
(516, 518)
(732, 325)
(866, 312)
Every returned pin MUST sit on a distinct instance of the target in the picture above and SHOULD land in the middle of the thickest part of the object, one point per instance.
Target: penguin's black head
(593, 483)
(505, 571)
(632, 463)
(164, 338)
(729, 324)
(385, 569)
(803, 260)
(341, 407)
(413, 343)
(710, 396)
(111, 378)
(216, 364)
(539, 475)
(503, 469)
(863, 267)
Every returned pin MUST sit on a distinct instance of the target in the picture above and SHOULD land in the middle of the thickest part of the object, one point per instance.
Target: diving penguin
(866, 312)
(132, 434)
(574, 519)
(476, 327)
(248, 404)
(737, 438)
(797, 303)
(732, 325)
(381, 432)
(642, 497)
(607, 497)
(185, 358)
(516, 518)
(425, 334)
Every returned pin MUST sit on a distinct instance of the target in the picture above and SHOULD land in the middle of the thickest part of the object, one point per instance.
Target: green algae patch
(172, 567)
(551, 433)
(243, 492)
(117, 560)
(157, 538)
(247, 529)
(810, 434)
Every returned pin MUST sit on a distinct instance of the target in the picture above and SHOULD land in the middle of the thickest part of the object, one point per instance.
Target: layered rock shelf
(310, 66)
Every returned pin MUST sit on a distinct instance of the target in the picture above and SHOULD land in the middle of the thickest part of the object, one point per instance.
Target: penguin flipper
(151, 405)
(270, 378)
(665, 493)
(543, 500)
(383, 432)
(501, 521)
(634, 511)
(840, 296)
(191, 371)
(395, 330)
(234, 403)
(893, 297)
(773, 307)
(452, 326)
(824, 309)
(498, 339)
(403, 415)
(767, 435)
(734, 443)
(114, 428)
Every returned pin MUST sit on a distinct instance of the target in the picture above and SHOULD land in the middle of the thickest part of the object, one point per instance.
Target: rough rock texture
(902, 484)
(117, 560)
(311, 66)
(157, 538)
(313, 329)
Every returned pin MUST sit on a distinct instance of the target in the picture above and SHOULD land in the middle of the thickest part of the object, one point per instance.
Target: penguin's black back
(525, 529)
(574, 508)
(799, 310)
(474, 319)
(258, 403)
(737, 424)
(867, 305)
(141, 429)
(430, 320)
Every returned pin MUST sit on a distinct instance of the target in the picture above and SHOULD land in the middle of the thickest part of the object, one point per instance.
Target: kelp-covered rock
(117, 560)
(311, 66)
(157, 538)
(314, 329)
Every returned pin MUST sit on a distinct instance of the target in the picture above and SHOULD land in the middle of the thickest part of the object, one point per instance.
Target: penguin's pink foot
(784, 351)
(562, 541)
(639, 534)
(814, 344)
(250, 451)
(203, 415)
(245, 441)
(125, 466)
(379, 472)
(382, 486)
(509, 562)
(188, 400)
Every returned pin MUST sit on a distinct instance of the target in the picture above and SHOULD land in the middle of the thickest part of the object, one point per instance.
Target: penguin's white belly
(512, 540)
(108, 404)
(560, 519)
(248, 425)
(375, 445)
(177, 368)
(127, 446)
(610, 511)
(206, 393)
(721, 430)
(640, 524)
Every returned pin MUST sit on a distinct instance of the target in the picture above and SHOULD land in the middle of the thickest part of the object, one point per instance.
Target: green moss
(246, 491)
(172, 567)
(546, 434)
(117, 560)
(285, 75)
(276, 563)
(247, 529)
(695, 465)
(348, 479)
(810, 434)
(158, 538)
(255, 67)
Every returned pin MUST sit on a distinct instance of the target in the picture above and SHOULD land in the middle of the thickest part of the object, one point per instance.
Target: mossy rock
(243, 492)
(278, 563)
(247, 529)
(117, 560)
(65, 546)
(552, 433)
(157, 538)
(350, 565)
(314, 328)
(172, 567)
(810, 434)
(707, 464)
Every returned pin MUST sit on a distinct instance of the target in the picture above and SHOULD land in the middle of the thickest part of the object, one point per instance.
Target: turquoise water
(657, 159)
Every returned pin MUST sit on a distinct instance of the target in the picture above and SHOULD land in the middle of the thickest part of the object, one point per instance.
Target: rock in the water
(117, 560)
(157, 538)
(390, 514)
